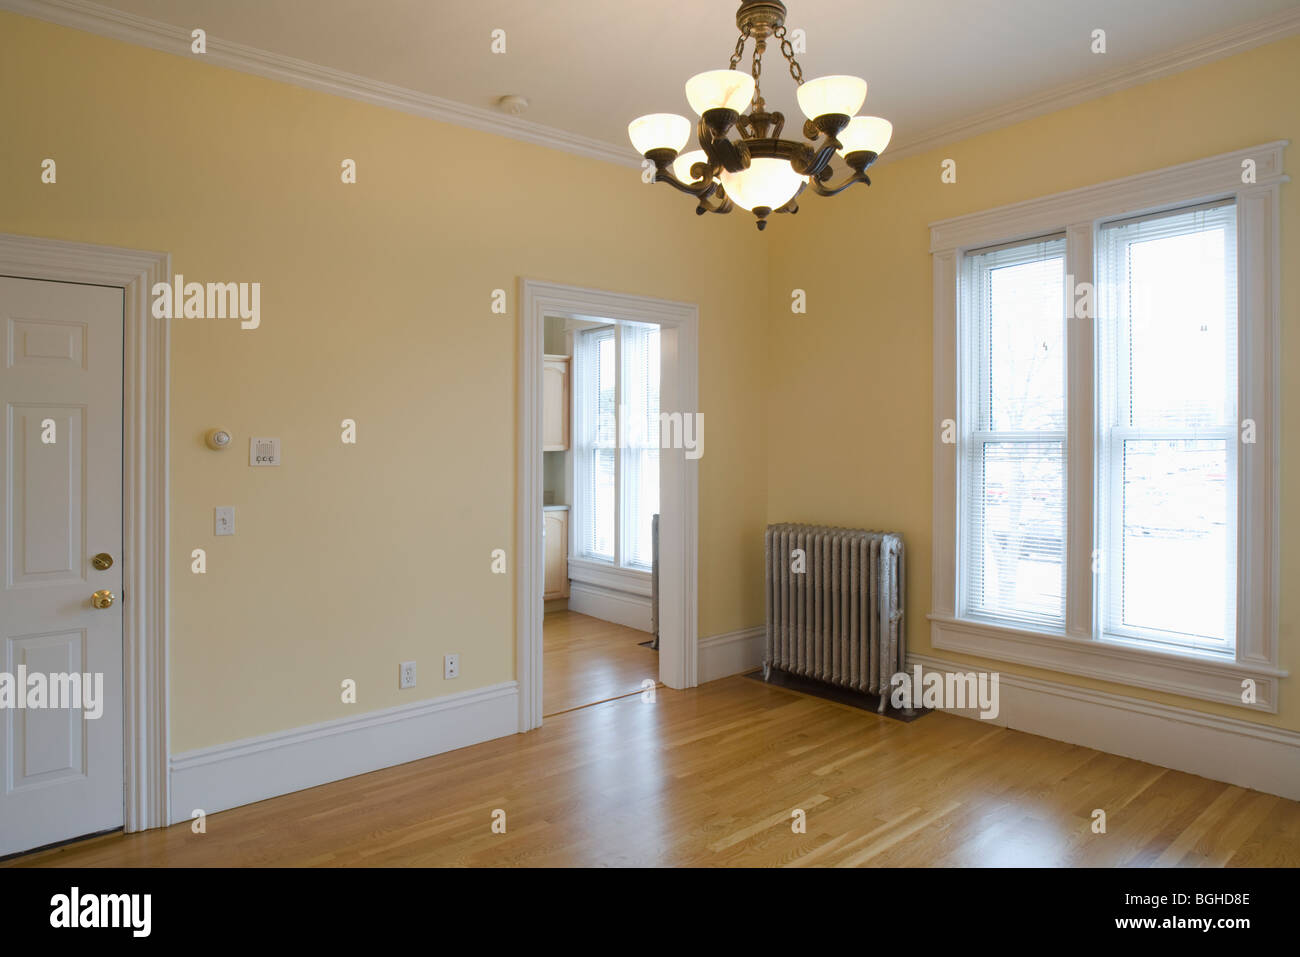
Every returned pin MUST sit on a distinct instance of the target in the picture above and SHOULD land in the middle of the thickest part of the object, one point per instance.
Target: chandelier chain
(740, 48)
(787, 51)
(760, 47)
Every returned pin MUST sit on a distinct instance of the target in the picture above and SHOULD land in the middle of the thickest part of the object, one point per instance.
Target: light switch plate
(263, 452)
(224, 520)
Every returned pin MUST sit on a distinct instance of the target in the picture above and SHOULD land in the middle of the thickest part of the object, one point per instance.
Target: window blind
(1167, 422)
(596, 446)
(1012, 444)
(639, 471)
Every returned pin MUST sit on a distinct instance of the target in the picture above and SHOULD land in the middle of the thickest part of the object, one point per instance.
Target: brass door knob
(103, 561)
(102, 598)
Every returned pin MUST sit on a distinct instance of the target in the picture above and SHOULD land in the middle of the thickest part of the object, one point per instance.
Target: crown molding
(143, 31)
(1237, 39)
(1202, 179)
(146, 32)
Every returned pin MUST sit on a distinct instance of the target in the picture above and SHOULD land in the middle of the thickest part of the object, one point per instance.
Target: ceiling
(590, 66)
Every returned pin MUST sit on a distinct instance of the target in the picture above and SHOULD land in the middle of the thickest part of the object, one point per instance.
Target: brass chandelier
(760, 171)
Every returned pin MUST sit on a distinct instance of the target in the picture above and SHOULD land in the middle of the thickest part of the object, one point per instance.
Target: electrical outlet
(450, 666)
(406, 675)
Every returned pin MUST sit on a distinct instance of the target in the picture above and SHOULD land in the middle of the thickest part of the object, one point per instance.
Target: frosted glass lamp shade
(767, 182)
(659, 131)
(682, 165)
(720, 89)
(832, 94)
(865, 134)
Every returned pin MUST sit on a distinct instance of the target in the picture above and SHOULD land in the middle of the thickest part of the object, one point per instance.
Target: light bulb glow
(767, 182)
(682, 165)
(865, 133)
(659, 131)
(832, 94)
(720, 89)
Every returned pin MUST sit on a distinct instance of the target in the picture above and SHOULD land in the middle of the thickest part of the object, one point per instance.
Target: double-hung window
(616, 465)
(1105, 471)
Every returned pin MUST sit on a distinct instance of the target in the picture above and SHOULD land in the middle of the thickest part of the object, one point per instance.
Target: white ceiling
(589, 66)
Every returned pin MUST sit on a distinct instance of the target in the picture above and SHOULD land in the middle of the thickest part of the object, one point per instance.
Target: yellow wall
(850, 417)
(375, 306)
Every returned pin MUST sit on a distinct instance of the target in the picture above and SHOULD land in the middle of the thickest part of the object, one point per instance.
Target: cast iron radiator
(835, 606)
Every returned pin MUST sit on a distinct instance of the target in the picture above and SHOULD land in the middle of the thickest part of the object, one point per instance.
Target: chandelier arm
(821, 159)
(821, 190)
(723, 205)
(722, 152)
(698, 190)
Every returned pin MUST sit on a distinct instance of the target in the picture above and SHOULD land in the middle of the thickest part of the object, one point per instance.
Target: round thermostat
(217, 439)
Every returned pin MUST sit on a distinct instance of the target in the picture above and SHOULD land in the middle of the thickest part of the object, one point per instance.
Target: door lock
(103, 561)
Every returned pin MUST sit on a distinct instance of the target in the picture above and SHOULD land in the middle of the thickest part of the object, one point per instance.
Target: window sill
(609, 575)
(1193, 676)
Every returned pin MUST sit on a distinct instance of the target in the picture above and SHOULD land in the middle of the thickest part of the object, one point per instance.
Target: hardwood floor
(710, 776)
(586, 660)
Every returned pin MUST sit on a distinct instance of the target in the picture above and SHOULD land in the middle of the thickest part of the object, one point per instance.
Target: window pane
(1167, 414)
(1175, 538)
(1026, 347)
(606, 424)
(602, 501)
(595, 445)
(1016, 558)
(1013, 440)
(640, 441)
(1180, 331)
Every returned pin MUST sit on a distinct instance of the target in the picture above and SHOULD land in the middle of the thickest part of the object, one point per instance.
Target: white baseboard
(733, 653)
(610, 604)
(241, 772)
(1238, 752)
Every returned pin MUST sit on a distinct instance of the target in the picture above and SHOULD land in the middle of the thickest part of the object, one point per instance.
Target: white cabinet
(555, 549)
(555, 403)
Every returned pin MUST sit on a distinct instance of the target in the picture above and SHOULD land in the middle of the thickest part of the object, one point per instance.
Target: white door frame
(679, 480)
(146, 497)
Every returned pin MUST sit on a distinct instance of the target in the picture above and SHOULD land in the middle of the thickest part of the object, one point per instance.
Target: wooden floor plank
(710, 777)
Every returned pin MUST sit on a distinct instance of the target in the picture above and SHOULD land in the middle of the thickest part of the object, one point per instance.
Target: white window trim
(1078, 212)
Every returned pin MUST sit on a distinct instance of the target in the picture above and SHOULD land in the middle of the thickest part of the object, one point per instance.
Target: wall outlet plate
(262, 451)
(406, 675)
(223, 520)
(450, 666)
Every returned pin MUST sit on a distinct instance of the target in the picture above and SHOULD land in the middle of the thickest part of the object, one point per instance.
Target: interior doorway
(600, 494)
(610, 439)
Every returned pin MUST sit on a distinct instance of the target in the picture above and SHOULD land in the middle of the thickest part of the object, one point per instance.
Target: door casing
(146, 499)
(679, 480)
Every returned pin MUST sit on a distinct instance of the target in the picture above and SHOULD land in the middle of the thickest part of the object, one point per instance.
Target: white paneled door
(61, 565)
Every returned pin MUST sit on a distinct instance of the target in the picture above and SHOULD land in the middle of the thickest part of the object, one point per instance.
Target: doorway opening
(609, 443)
(600, 494)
